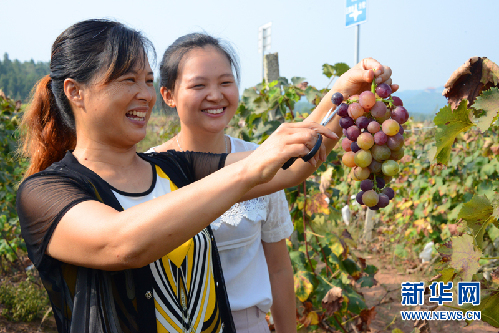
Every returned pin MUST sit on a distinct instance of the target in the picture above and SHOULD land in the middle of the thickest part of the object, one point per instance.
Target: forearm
(101, 237)
(284, 302)
(300, 170)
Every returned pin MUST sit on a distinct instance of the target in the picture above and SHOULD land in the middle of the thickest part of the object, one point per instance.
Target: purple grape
(344, 130)
(389, 192)
(383, 200)
(353, 132)
(397, 101)
(374, 207)
(346, 122)
(380, 138)
(343, 110)
(378, 110)
(375, 167)
(337, 98)
(354, 147)
(380, 182)
(362, 122)
(383, 90)
(401, 130)
(395, 142)
(366, 185)
(359, 198)
(400, 114)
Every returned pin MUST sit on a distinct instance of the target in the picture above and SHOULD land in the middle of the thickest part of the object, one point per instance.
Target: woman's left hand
(359, 78)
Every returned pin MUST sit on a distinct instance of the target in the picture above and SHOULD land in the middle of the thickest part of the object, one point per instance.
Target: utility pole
(264, 40)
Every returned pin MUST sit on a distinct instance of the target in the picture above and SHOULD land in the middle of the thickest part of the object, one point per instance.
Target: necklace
(225, 139)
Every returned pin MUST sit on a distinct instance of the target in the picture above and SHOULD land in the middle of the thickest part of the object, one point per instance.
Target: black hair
(173, 55)
(80, 52)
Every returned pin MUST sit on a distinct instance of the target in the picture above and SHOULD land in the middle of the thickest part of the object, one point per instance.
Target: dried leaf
(326, 179)
(333, 300)
(317, 204)
(469, 80)
(365, 318)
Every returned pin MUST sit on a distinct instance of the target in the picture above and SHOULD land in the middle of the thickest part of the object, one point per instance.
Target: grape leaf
(489, 102)
(464, 256)
(476, 213)
(490, 72)
(495, 213)
(450, 124)
(490, 310)
(303, 286)
(447, 275)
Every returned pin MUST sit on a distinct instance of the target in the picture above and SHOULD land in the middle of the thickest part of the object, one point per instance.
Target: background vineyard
(328, 256)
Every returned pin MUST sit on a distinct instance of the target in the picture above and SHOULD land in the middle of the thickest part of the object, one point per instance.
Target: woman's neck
(120, 167)
(206, 143)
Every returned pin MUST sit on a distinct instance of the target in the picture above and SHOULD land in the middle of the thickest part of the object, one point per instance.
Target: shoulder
(239, 145)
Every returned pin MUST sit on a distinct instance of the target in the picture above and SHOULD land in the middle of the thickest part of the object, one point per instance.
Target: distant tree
(17, 79)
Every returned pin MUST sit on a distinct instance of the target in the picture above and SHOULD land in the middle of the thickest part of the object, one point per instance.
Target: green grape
(380, 153)
(370, 198)
(363, 158)
(390, 168)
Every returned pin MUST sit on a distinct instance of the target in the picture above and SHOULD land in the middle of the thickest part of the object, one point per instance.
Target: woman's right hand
(288, 140)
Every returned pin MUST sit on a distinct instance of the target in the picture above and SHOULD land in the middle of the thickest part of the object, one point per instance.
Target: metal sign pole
(356, 14)
(357, 34)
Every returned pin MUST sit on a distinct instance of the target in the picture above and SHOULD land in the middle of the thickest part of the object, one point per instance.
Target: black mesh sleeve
(201, 165)
(42, 200)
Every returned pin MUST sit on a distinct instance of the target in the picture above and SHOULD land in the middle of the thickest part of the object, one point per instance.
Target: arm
(356, 80)
(282, 283)
(94, 235)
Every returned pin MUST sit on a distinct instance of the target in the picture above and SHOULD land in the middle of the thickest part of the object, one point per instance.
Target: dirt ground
(386, 296)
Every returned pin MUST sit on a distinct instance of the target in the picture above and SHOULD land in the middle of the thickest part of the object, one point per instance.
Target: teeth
(216, 111)
(139, 114)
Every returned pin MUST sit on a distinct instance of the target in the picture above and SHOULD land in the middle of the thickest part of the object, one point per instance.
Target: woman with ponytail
(122, 239)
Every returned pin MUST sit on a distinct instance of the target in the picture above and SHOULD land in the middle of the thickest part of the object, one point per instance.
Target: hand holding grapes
(360, 77)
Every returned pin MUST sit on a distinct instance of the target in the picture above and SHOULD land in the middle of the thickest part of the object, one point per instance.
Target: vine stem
(328, 269)
(373, 84)
(339, 324)
(305, 226)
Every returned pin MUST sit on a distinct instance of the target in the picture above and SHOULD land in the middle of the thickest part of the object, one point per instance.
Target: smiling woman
(120, 244)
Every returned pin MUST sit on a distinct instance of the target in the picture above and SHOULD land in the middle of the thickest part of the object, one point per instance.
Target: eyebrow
(195, 78)
(135, 72)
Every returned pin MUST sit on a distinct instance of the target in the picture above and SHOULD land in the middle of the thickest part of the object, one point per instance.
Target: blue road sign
(356, 12)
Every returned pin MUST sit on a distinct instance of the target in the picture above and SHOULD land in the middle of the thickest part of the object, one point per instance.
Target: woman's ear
(167, 97)
(72, 90)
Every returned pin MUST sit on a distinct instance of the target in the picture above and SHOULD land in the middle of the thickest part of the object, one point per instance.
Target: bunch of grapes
(374, 141)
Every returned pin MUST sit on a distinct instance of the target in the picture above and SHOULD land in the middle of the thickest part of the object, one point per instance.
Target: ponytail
(45, 136)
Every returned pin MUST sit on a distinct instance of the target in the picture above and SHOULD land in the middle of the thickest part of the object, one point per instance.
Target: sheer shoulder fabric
(43, 199)
(199, 165)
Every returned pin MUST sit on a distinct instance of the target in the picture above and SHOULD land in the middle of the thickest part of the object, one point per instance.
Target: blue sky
(422, 41)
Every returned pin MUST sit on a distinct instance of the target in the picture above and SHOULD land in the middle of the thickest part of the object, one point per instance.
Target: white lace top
(239, 233)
